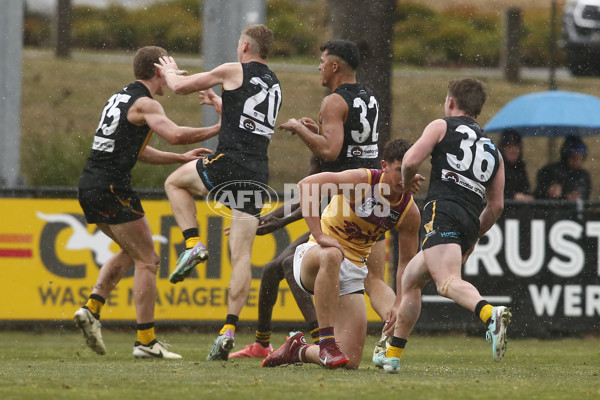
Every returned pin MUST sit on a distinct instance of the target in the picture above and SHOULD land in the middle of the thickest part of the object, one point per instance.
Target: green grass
(57, 365)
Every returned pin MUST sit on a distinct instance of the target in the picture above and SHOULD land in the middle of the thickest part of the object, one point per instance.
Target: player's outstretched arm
(150, 155)
(230, 75)
(327, 143)
(152, 112)
(290, 211)
(418, 152)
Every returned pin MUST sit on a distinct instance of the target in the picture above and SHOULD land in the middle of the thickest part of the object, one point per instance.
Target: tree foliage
(421, 35)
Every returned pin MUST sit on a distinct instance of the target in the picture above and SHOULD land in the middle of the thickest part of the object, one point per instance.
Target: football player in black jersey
(344, 138)
(251, 100)
(464, 200)
(108, 200)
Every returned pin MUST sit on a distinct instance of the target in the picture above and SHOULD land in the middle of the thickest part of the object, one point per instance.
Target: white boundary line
(426, 298)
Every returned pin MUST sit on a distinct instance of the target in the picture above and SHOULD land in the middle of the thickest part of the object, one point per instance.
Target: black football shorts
(444, 221)
(232, 185)
(110, 205)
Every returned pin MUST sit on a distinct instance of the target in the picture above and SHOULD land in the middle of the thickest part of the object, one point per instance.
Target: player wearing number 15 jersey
(465, 198)
(108, 200)
(238, 172)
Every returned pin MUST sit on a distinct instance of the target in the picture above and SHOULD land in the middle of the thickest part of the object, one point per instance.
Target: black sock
(398, 342)
(231, 319)
(190, 233)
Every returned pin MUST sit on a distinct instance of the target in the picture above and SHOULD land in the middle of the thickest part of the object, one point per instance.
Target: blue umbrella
(551, 113)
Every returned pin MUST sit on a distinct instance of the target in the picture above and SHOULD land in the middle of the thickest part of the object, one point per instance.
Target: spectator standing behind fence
(516, 186)
(566, 179)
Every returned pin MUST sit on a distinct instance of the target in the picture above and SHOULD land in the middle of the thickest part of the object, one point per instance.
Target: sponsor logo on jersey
(394, 216)
(368, 151)
(255, 127)
(367, 208)
(249, 125)
(463, 181)
(453, 235)
(103, 144)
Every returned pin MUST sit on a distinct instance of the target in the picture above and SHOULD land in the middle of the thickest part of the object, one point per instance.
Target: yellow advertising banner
(50, 258)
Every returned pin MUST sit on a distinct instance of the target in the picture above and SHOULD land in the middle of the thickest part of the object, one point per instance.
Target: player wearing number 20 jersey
(248, 121)
(249, 115)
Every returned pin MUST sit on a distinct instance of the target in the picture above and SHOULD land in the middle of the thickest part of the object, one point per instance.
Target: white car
(581, 36)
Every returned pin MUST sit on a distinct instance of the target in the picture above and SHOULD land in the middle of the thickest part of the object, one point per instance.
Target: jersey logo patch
(103, 144)
(368, 151)
(463, 181)
(249, 125)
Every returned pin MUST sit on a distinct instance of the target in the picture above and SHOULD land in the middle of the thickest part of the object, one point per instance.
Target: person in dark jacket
(566, 179)
(516, 185)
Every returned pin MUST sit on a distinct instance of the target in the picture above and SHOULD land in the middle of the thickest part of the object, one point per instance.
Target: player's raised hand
(414, 185)
(291, 125)
(167, 64)
(209, 97)
(267, 224)
(195, 154)
(310, 124)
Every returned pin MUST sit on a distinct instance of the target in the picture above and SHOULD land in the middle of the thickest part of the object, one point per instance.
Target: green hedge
(422, 35)
(457, 36)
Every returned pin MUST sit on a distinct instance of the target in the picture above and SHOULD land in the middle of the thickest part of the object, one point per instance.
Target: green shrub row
(422, 35)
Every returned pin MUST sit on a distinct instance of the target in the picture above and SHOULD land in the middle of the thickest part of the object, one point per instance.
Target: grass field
(57, 365)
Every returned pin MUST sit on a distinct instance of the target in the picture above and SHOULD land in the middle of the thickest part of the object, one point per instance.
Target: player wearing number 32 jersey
(359, 148)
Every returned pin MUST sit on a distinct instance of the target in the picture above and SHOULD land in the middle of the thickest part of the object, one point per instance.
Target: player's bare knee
(443, 288)
(168, 182)
(273, 271)
(331, 255)
(150, 266)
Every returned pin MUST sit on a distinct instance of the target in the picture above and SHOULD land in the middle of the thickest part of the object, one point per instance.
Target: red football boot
(332, 357)
(287, 353)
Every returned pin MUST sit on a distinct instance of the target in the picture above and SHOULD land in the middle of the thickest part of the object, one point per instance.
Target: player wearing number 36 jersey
(465, 199)
(463, 164)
